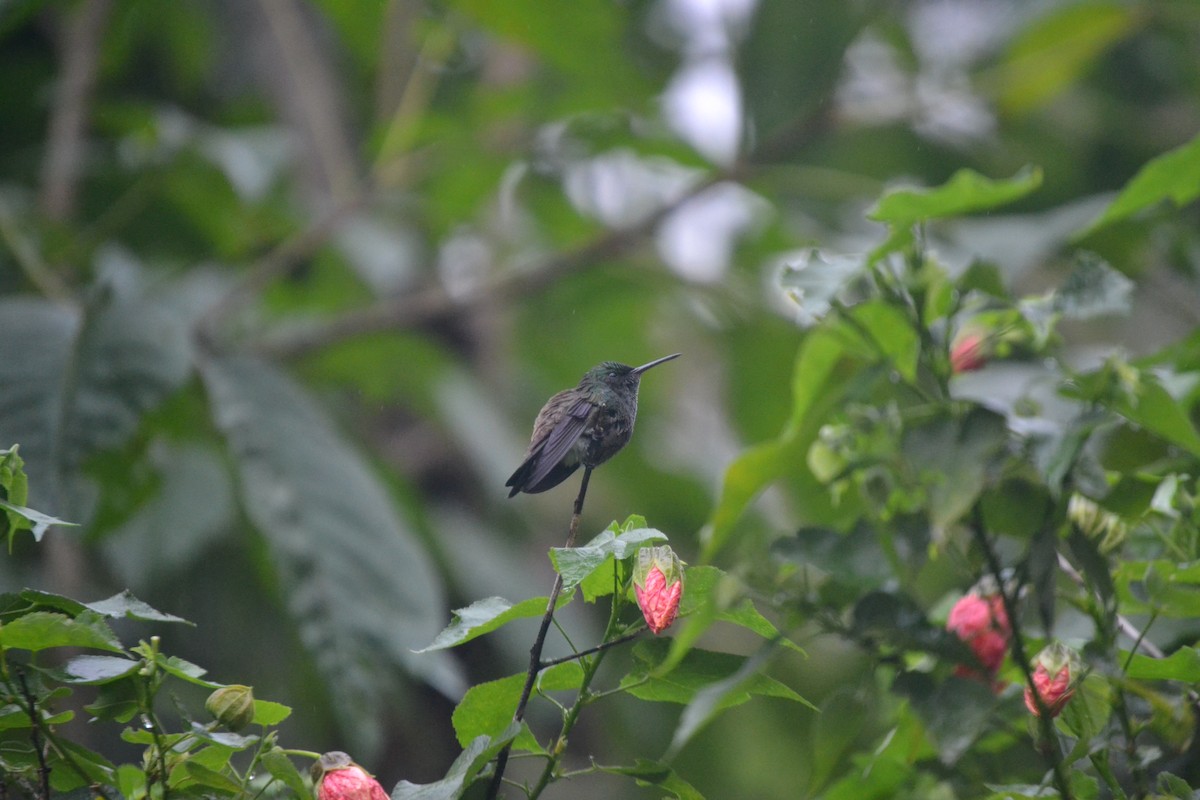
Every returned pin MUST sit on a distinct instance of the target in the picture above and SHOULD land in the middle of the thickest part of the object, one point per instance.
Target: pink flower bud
(969, 352)
(337, 777)
(658, 585)
(982, 624)
(1054, 674)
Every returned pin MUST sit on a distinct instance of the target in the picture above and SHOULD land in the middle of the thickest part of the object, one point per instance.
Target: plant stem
(535, 652)
(1045, 722)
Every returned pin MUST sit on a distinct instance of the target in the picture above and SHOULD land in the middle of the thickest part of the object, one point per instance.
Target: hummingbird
(585, 426)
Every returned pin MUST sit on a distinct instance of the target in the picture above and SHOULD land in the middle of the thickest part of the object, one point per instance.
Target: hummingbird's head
(620, 376)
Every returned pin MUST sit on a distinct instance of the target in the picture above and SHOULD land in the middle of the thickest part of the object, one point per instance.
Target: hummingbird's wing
(543, 467)
(560, 440)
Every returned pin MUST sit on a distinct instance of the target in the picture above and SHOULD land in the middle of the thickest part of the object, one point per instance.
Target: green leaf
(269, 713)
(891, 334)
(189, 774)
(658, 775)
(98, 669)
(1056, 50)
(954, 455)
(363, 592)
(41, 630)
(1092, 289)
(36, 521)
(72, 384)
(125, 606)
(66, 766)
(1183, 665)
(576, 563)
(700, 670)
(1157, 411)
(966, 192)
(477, 755)
(838, 725)
(1175, 176)
(192, 508)
(487, 709)
(707, 682)
(816, 279)
(815, 386)
(185, 670)
(956, 711)
(280, 767)
(485, 616)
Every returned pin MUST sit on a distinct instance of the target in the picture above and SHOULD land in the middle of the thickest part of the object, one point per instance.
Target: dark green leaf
(955, 712)
(838, 725)
(658, 775)
(71, 384)
(702, 670)
(357, 582)
(1175, 176)
(707, 682)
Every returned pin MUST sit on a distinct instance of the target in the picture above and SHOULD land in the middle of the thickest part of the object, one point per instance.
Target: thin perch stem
(535, 652)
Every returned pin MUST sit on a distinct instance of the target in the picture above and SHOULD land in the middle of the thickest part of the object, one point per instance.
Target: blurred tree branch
(79, 48)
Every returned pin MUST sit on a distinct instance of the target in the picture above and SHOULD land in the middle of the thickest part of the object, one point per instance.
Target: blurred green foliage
(283, 285)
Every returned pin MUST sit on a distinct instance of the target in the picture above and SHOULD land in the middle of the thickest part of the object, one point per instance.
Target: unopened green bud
(232, 706)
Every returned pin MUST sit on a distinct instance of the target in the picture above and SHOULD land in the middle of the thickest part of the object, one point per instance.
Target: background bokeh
(284, 285)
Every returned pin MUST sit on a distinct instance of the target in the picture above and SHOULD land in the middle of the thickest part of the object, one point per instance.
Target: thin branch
(535, 653)
(35, 723)
(1044, 720)
(1140, 642)
(553, 662)
(80, 49)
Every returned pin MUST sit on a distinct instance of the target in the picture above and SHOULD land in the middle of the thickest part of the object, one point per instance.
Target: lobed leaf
(966, 192)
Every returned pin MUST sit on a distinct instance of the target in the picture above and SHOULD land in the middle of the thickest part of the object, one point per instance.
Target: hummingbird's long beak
(654, 363)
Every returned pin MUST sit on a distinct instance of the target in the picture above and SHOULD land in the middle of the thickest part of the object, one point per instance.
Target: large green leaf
(1174, 176)
(1056, 49)
(74, 383)
(40, 630)
(361, 589)
(488, 707)
(1183, 665)
(966, 192)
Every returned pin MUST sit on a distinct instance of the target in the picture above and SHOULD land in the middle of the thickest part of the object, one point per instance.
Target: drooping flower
(337, 777)
(658, 586)
(982, 624)
(1055, 674)
(968, 352)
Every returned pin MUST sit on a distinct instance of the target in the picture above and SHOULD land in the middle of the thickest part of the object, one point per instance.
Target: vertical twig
(535, 652)
(36, 734)
(1044, 720)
